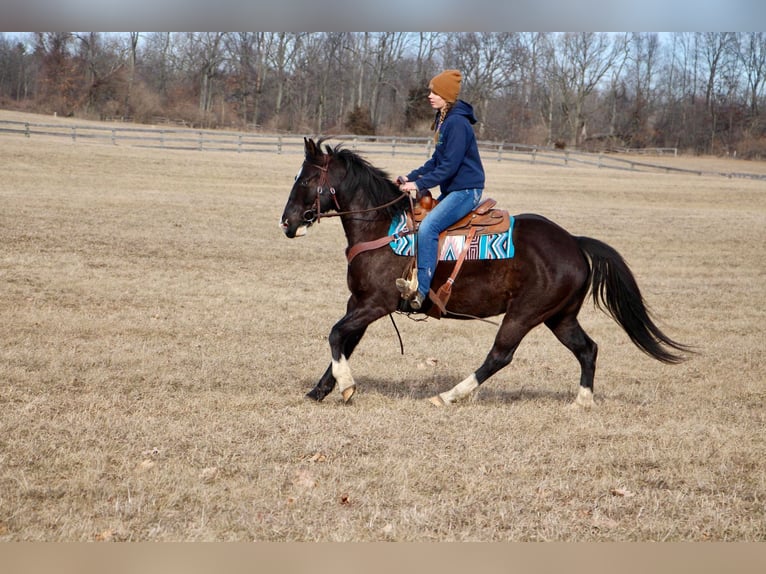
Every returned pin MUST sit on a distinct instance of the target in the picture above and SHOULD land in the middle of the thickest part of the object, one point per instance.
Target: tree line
(697, 91)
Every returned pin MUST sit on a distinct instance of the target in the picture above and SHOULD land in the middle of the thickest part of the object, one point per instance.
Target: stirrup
(416, 302)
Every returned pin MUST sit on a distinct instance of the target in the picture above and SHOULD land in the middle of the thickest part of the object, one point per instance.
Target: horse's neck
(363, 220)
(365, 227)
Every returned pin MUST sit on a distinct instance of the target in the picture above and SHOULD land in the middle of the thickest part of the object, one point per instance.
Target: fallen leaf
(146, 464)
(432, 362)
(318, 457)
(622, 492)
(345, 500)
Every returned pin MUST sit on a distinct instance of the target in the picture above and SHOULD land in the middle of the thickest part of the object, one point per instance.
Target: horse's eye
(303, 182)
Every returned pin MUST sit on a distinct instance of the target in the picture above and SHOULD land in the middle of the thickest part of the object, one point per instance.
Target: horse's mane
(361, 174)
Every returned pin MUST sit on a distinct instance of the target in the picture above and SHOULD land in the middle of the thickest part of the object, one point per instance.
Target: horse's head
(313, 192)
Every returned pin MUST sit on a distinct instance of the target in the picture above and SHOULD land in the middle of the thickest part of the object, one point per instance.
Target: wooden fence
(245, 142)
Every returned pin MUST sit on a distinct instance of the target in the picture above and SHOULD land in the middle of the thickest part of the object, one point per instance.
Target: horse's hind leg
(324, 386)
(506, 342)
(568, 330)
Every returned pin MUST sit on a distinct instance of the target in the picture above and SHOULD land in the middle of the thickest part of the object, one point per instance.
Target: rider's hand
(408, 186)
(401, 179)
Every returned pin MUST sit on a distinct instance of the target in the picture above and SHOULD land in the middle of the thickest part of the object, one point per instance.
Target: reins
(369, 209)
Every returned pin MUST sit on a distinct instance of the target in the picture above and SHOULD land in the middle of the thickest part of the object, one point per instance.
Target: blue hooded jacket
(455, 163)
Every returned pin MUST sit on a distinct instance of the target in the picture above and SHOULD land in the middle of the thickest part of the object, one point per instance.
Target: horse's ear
(311, 148)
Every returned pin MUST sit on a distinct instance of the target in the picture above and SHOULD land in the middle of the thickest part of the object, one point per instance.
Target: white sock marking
(584, 398)
(342, 374)
(461, 390)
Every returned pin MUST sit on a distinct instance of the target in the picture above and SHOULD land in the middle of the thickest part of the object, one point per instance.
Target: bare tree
(15, 70)
(488, 61)
(385, 50)
(205, 52)
(157, 57)
(337, 85)
(682, 73)
(249, 53)
(581, 60)
(428, 43)
(642, 68)
(751, 52)
(133, 39)
(282, 59)
(616, 95)
(715, 47)
(531, 91)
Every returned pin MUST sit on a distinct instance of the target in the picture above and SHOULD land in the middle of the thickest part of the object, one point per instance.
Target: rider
(455, 166)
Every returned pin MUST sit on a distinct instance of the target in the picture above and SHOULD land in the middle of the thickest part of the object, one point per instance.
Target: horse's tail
(615, 290)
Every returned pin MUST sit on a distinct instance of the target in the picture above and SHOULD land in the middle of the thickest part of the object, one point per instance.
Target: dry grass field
(158, 333)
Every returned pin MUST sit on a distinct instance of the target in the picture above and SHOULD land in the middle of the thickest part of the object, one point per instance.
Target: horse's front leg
(327, 383)
(344, 337)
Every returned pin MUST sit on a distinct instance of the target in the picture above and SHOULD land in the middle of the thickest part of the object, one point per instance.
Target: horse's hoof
(584, 400)
(437, 400)
(314, 396)
(348, 393)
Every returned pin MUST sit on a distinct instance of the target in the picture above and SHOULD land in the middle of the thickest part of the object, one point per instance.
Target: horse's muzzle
(291, 230)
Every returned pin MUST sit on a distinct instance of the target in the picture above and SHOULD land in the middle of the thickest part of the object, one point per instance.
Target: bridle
(315, 213)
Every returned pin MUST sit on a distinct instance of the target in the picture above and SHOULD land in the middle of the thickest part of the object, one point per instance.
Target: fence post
(500, 151)
(114, 136)
(74, 134)
(200, 141)
(393, 147)
(162, 138)
(279, 145)
(26, 129)
(239, 144)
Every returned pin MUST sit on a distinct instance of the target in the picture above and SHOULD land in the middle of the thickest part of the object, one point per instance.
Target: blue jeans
(448, 210)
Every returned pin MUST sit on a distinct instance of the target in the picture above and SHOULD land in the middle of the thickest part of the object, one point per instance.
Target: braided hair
(439, 120)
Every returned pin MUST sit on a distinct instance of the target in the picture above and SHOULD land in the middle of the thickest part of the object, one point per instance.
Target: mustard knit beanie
(447, 85)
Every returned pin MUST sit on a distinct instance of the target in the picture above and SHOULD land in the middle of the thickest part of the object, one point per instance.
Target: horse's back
(543, 244)
(532, 229)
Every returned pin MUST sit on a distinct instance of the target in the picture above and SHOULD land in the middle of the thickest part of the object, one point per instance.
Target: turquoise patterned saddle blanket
(489, 246)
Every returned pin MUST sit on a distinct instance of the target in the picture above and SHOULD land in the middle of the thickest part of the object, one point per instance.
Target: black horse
(546, 281)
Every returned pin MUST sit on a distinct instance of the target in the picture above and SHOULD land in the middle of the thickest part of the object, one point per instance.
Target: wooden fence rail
(244, 142)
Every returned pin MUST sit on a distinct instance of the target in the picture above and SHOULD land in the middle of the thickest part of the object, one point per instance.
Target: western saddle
(485, 219)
